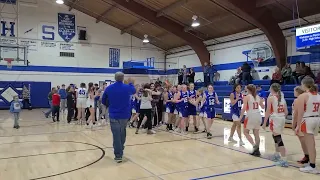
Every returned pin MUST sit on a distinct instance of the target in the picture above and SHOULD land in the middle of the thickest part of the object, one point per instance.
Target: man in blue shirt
(261, 92)
(118, 96)
(63, 95)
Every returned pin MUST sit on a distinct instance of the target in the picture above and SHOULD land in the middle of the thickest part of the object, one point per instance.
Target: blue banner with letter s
(308, 36)
(114, 57)
(66, 26)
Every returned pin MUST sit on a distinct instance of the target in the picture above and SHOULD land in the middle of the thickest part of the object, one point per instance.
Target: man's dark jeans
(118, 129)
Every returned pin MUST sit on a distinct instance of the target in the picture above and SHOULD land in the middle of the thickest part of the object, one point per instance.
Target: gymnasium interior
(47, 43)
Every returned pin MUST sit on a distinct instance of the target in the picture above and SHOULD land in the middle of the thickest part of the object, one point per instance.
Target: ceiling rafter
(262, 3)
(72, 3)
(171, 7)
(128, 28)
(261, 18)
(167, 24)
(102, 15)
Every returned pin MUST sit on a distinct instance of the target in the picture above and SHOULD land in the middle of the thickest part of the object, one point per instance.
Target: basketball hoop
(9, 62)
(257, 61)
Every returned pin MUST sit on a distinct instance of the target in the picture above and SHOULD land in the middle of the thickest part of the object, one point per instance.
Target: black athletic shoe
(256, 153)
(196, 129)
(209, 135)
(187, 129)
(204, 131)
(118, 160)
(168, 127)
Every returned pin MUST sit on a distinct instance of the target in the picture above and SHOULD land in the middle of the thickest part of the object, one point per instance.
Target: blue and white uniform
(192, 108)
(133, 104)
(236, 108)
(201, 109)
(170, 105)
(138, 102)
(183, 105)
(176, 106)
(209, 105)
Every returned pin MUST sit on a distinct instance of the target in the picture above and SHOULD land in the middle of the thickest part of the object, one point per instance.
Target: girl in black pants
(70, 103)
(146, 110)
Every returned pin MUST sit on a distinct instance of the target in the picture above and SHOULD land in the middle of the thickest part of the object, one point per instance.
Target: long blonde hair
(277, 89)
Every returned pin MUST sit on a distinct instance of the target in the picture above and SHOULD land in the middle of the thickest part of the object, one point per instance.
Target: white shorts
(175, 112)
(235, 117)
(133, 111)
(90, 103)
(81, 103)
(277, 124)
(310, 125)
(203, 114)
(253, 121)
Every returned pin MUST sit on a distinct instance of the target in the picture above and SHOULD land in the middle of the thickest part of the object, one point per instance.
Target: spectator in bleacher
(308, 73)
(236, 78)
(246, 76)
(212, 72)
(185, 75)
(300, 71)
(276, 76)
(206, 75)
(287, 74)
(191, 75)
(180, 76)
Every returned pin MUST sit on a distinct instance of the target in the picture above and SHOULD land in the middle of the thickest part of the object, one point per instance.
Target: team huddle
(183, 103)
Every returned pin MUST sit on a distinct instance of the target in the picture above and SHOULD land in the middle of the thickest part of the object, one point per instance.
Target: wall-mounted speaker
(82, 35)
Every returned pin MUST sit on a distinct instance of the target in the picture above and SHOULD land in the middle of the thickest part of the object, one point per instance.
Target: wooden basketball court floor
(43, 150)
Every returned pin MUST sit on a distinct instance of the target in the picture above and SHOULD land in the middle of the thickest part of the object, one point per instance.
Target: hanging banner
(31, 44)
(48, 44)
(67, 46)
(114, 57)
(308, 36)
(66, 26)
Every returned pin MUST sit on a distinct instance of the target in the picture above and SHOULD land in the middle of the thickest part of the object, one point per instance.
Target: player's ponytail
(253, 90)
(277, 89)
(308, 82)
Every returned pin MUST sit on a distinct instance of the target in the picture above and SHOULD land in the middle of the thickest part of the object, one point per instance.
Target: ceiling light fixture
(59, 1)
(195, 22)
(145, 40)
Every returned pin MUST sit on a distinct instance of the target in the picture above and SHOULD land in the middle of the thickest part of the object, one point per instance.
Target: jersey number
(211, 102)
(82, 92)
(280, 109)
(316, 107)
(255, 105)
(239, 104)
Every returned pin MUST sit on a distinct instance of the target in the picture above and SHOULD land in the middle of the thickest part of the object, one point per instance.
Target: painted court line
(233, 172)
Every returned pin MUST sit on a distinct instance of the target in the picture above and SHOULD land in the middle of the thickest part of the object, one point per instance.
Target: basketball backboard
(15, 52)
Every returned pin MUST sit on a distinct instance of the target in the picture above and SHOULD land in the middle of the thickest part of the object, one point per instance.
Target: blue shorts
(211, 113)
(170, 108)
(192, 110)
(184, 112)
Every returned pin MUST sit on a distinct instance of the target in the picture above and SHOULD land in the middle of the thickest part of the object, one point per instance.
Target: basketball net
(257, 61)
(9, 62)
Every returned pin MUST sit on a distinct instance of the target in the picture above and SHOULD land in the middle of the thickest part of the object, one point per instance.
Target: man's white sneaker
(309, 169)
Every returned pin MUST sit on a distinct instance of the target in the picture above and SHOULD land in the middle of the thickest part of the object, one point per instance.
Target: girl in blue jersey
(201, 109)
(177, 108)
(182, 98)
(235, 106)
(135, 106)
(210, 98)
(168, 98)
(192, 109)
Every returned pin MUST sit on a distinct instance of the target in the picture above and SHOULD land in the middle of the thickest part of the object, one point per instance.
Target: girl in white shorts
(253, 118)
(277, 111)
(82, 101)
(202, 115)
(297, 92)
(308, 120)
(90, 104)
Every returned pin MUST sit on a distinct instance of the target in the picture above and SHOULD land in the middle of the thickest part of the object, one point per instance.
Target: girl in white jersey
(253, 119)
(308, 120)
(81, 102)
(277, 111)
(90, 104)
(297, 92)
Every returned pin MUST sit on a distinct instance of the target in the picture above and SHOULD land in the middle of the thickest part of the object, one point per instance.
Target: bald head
(119, 76)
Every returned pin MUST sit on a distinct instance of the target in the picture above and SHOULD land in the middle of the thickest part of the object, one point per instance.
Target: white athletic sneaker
(282, 163)
(184, 133)
(232, 140)
(241, 143)
(151, 132)
(309, 169)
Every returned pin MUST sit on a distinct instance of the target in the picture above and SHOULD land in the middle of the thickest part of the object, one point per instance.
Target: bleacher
(223, 90)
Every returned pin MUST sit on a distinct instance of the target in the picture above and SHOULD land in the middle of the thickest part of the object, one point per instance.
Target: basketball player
(251, 104)
(81, 102)
(135, 106)
(192, 108)
(277, 111)
(308, 120)
(236, 103)
(177, 108)
(201, 109)
(168, 98)
(182, 98)
(210, 98)
(297, 92)
(90, 104)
